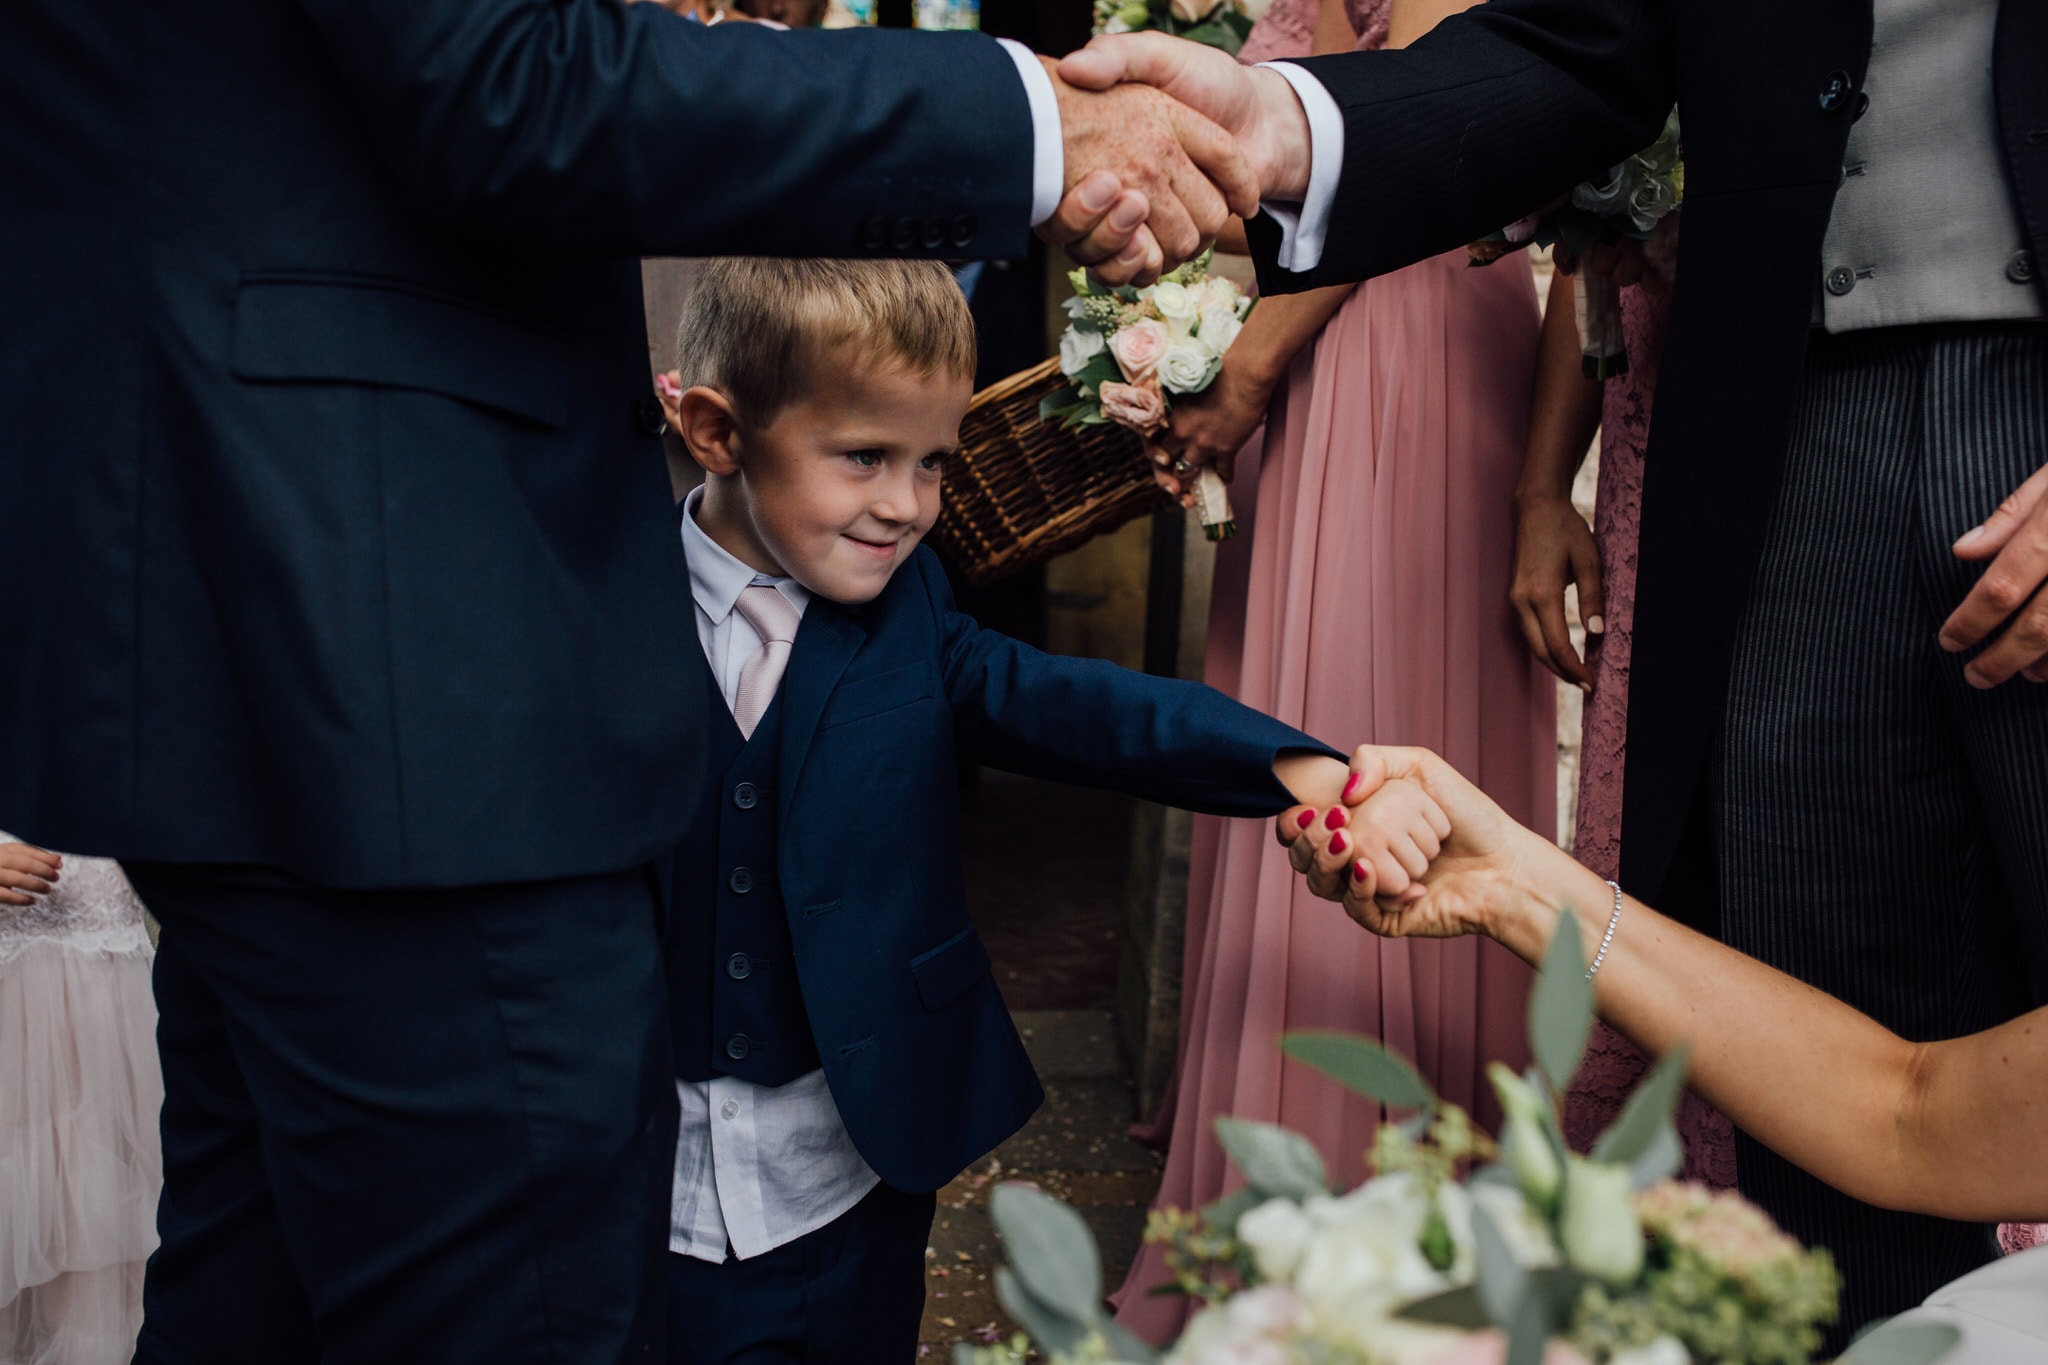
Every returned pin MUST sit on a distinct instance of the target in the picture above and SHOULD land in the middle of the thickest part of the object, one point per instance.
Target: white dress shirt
(756, 1166)
(1302, 227)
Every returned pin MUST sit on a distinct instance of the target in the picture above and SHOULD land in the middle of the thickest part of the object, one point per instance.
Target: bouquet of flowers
(1127, 353)
(1632, 200)
(1457, 1251)
(1213, 23)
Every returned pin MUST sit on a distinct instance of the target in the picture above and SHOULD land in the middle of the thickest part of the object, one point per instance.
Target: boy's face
(842, 484)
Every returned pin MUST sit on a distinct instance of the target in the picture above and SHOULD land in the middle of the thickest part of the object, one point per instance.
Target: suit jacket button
(1862, 105)
(738, 1046)
(1835, 91)
(874, 233)
(744, 796)
(1840, 280)
(649, 417)
(2020, 269)
(906, 234)
(965, 228)
(738, 967)
(937, 232)
(741, 881)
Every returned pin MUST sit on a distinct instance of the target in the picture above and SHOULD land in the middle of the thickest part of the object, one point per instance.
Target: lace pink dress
(80, 1164)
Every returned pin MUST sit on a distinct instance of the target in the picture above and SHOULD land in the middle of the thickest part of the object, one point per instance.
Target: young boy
(841, 1050)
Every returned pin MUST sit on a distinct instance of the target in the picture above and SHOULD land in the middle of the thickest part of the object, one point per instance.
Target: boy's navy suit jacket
(879, 704)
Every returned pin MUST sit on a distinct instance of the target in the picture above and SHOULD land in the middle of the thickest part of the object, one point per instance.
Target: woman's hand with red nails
(27, 872)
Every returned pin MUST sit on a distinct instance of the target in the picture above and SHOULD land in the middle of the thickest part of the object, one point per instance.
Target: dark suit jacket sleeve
(1088, 722)
(623, 128)
(1492, 114)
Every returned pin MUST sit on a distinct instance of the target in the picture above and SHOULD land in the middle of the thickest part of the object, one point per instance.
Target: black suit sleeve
(1093, 724)
(623, 128)
(1493, 113)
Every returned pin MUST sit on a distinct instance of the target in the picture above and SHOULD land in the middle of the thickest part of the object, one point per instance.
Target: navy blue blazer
(880, 703)
(340, 539)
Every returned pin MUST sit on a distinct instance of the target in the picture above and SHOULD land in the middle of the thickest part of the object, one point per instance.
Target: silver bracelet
(1612, 920)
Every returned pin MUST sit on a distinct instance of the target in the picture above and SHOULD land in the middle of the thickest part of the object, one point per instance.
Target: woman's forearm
(1280, 326)
(1950, 1128)
(1566, 409)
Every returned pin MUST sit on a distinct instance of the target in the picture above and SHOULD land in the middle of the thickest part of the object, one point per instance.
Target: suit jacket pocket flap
(871, 696)
(949, 969)
(367, 332)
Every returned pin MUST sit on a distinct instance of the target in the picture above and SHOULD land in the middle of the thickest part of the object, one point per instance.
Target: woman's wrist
(1547, 885)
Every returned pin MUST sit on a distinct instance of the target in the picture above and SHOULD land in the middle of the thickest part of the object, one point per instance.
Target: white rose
(1276, 1231)
(1662, 1351)
(1271, 1310)
(1253, 10)
(1598, 1223)
(1365, 1256)
(1219, 326)
(1078, 346)
(1193, 11)
(1605, 194)
(1650, 200)
(1176, 305)
(1520, 1226)
(1189, 366)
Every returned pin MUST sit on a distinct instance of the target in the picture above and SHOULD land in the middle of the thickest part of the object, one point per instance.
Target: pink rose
(1137, 406)
(1138, 347)
(1491, 1348)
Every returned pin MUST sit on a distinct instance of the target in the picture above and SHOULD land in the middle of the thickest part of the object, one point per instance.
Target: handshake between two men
(1164, 140)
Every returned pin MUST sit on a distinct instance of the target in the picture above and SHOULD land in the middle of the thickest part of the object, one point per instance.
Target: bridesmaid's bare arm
(1410, 19)
(1553, 545)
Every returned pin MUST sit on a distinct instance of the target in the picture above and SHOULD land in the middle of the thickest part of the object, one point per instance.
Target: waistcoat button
(731, 1109)
(738, 968)
(1841, 280)
(744, 796)
(2020, 269)
(1835, 91)
(741, 881)
(964, 228)
(738, 1046)
(1862, 105)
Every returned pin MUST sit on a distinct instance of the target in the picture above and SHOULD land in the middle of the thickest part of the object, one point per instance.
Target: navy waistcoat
(735, 1006)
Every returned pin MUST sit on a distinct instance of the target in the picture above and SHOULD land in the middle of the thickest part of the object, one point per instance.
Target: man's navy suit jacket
(879, 705)
(339, 539)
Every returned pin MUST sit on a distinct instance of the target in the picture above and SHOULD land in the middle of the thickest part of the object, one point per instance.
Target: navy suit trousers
(851, 1293)
(432, 1126)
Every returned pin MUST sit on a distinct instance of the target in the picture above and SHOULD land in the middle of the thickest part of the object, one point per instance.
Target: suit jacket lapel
(825, 644)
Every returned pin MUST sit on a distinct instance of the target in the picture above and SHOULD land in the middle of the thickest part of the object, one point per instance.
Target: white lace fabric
(92, 909)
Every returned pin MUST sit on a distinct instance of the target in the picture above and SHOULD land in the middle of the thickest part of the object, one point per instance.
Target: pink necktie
(775, 621)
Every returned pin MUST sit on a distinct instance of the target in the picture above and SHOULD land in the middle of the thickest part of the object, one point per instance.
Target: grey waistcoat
(1924, 227)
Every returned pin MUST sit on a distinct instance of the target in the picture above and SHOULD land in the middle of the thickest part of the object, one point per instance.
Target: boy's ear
(710, 429)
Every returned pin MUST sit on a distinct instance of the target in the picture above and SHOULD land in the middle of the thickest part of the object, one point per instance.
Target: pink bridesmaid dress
(1364, 600)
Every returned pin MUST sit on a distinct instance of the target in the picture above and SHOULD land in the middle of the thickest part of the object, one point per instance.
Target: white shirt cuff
(1304, 226)
(1048, 152)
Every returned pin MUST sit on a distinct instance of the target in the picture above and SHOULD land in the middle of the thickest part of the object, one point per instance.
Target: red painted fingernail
(1306, 818)
(1335, 819)
(1351, 787)
(1338, 843)
(1358, 872)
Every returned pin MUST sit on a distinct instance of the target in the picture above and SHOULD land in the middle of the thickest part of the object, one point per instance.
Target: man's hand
(1149, 182)
(26, 872)
(1254, 105)
(2015, 539)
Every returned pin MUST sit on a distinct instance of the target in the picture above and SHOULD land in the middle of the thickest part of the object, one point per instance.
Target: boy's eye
(933, 462)
(866, 459)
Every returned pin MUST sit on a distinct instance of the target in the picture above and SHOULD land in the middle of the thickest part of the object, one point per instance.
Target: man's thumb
(1114, 58)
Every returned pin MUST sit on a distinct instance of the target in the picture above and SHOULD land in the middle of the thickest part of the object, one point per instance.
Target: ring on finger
(1182, 467)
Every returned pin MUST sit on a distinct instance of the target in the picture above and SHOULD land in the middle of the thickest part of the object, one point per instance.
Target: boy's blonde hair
(756, 328)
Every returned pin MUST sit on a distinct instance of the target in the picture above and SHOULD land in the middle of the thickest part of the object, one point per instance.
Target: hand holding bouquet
(1127, 353)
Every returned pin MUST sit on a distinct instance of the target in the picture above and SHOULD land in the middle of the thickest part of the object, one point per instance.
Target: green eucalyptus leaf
(1362, 1065)
(1561, 1007)
(1652, 1104)
(1126, 1348)
(1662, 1159)
(1222, 1215)
(1503, 1283)
(1276, 1162)
(1055, 1332)
(1215, 33)
(1051, 1249)
(1460, 1308)
(1903, 1343)
(1058, 403)
(1529, 1333)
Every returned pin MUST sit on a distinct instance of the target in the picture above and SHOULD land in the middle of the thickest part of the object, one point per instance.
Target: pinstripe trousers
(1882, 826)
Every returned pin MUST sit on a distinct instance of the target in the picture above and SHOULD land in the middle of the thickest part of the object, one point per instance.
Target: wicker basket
(1022, 490)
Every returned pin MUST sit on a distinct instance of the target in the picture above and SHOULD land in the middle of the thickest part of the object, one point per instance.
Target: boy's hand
(1380, 850)
(26, 872)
